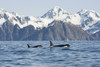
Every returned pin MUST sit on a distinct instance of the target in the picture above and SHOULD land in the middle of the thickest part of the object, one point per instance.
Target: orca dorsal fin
(51, 44)
(28, 45)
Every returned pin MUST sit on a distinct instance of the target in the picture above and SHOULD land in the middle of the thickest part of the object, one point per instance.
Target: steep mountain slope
(57, 30)
(56, 13)
(97, 35)
(90, 21)
(16, 27)
(60, 31)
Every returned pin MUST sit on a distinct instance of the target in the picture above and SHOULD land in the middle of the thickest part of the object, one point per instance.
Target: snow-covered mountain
(12, 17)
(56, 13)
(89, 20)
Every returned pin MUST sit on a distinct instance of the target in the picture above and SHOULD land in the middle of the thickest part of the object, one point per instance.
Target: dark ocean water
(80, 54)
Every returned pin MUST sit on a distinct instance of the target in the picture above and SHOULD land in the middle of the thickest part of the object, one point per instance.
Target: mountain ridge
(88, 20)
(83, 18)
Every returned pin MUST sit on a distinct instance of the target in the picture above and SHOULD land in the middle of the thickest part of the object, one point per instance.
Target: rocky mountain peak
(55, 13)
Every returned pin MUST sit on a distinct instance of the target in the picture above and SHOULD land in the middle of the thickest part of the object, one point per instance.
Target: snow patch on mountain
(2, 20)
(89, 20)
(56, 13)
(74, 19)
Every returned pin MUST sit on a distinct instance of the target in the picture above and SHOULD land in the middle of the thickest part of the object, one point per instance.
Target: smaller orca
(36, 46)
(62, 45)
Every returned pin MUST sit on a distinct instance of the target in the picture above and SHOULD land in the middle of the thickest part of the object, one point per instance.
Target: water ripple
(80, 54)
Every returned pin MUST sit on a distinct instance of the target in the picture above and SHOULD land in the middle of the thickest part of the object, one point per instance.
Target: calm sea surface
(80, 54)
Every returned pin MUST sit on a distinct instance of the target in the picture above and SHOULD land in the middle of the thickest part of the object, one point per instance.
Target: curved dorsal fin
(51, 44)
(28, 45)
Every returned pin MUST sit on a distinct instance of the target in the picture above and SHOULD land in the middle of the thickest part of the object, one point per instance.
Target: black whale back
(61, 45)
(36, 46)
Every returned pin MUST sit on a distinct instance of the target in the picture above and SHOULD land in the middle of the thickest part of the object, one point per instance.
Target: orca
(36, 46)
(62, 45)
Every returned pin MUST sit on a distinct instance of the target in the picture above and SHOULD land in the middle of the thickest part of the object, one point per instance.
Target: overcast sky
(39, 7)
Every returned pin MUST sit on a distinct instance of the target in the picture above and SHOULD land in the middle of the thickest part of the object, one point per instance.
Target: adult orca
(36, 46)
(62, 45)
